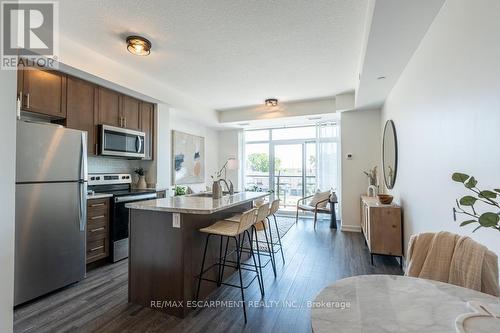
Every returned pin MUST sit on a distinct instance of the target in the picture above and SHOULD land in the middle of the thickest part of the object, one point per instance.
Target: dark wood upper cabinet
(147, 126)
(130, 113)
(80, 105)
(43, 91)
(109, 107)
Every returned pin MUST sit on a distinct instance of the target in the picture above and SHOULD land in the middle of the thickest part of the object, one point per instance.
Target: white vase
(141, 184)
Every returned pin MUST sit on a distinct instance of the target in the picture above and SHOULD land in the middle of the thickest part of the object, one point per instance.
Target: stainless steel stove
(120, 186)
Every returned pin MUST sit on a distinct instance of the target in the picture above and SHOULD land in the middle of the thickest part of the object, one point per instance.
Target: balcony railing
(288, 189)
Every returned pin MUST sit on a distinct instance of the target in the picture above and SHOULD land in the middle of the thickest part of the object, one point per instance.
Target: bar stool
(232, 230)
(260, 224)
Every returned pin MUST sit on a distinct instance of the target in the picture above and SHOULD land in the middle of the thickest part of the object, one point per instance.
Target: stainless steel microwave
(116, 141)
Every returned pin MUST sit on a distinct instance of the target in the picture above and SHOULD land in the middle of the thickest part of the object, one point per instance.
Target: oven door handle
(130, 198)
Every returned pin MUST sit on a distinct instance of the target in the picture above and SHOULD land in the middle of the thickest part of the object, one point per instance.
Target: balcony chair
(321, 202)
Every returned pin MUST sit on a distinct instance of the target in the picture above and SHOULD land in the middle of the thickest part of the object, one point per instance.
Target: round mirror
(390, 154)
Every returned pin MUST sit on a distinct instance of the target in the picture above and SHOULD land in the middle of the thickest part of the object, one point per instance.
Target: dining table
(393, 303)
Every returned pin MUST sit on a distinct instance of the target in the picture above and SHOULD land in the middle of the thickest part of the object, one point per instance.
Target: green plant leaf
(468, 200)
(459, 177)
(467, 222)
(477, 228)
(487, 194)
(489, 219)
(497, 190)
(472, 182)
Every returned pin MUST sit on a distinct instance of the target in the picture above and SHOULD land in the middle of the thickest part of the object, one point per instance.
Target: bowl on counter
(385, 199)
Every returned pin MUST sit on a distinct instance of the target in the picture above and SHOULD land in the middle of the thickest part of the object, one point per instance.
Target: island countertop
(197, 203)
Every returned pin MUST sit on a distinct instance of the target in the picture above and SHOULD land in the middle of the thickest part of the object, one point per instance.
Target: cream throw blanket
(454, 259)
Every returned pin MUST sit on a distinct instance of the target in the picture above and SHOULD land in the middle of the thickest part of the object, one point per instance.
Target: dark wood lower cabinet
(97, 229)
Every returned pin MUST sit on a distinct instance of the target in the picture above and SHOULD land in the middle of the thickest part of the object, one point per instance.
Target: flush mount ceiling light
(138, 45)
(271, 102)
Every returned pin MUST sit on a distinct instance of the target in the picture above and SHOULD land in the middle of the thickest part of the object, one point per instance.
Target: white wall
(446, 109)
(168, 120)
(7, 195)
(361, 137)
(230, 146)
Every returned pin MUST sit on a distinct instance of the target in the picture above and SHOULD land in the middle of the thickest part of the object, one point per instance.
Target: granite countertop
(196, 204)
(99, 196)
(390, 303)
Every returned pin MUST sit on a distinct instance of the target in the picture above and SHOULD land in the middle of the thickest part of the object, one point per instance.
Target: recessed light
(138, 45)
(381, 78)
(271, 102)
(243, 124)
(314, 118)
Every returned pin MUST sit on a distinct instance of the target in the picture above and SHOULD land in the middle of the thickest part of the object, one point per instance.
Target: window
(293, 162)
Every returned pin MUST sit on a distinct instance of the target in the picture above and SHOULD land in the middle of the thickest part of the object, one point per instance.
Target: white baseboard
(350, 228)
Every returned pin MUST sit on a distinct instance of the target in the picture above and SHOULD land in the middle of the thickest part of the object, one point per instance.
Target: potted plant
(468, 205)
(141, 184)
(179, 190)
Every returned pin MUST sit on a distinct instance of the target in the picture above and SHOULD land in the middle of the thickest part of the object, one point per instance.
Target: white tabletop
(390, 303)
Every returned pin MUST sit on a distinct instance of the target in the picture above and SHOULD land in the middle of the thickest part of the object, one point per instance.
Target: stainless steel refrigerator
(51, 208)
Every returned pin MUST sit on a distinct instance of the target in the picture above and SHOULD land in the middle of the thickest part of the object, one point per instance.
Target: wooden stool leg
(202, 267)
(241, 279)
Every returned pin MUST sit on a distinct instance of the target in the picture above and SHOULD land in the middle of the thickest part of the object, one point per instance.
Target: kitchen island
(166, 249)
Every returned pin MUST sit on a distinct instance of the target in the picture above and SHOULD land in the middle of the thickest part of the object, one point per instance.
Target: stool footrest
(225, 283)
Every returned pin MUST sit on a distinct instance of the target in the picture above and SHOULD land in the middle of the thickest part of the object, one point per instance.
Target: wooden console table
(382, 227)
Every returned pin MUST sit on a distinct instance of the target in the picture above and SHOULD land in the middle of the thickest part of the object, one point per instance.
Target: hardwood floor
(314, 259)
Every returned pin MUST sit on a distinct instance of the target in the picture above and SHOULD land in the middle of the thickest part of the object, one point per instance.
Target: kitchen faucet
(230, 189)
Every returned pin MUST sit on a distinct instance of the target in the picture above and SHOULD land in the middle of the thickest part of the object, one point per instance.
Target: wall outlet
(349, 156)
(176, 220)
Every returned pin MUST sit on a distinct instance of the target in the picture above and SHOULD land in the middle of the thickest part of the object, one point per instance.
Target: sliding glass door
(288, 182)
(294, 171)
(292, 162)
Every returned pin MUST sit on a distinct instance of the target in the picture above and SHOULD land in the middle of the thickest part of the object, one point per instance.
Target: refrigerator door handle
(83, 206)
(83, 158)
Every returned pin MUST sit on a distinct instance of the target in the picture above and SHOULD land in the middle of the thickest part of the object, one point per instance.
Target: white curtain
(327, 152)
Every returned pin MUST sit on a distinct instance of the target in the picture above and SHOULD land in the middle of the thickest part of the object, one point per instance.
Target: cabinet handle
(125, 121)
(97, 229)
(28, 100)
(97, 248)
(97, 149)
(97, 205)
(97, 217)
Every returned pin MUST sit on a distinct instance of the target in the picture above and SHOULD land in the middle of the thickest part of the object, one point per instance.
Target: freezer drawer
(50, 238)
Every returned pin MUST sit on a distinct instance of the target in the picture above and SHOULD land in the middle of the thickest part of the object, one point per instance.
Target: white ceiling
(229, 53)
